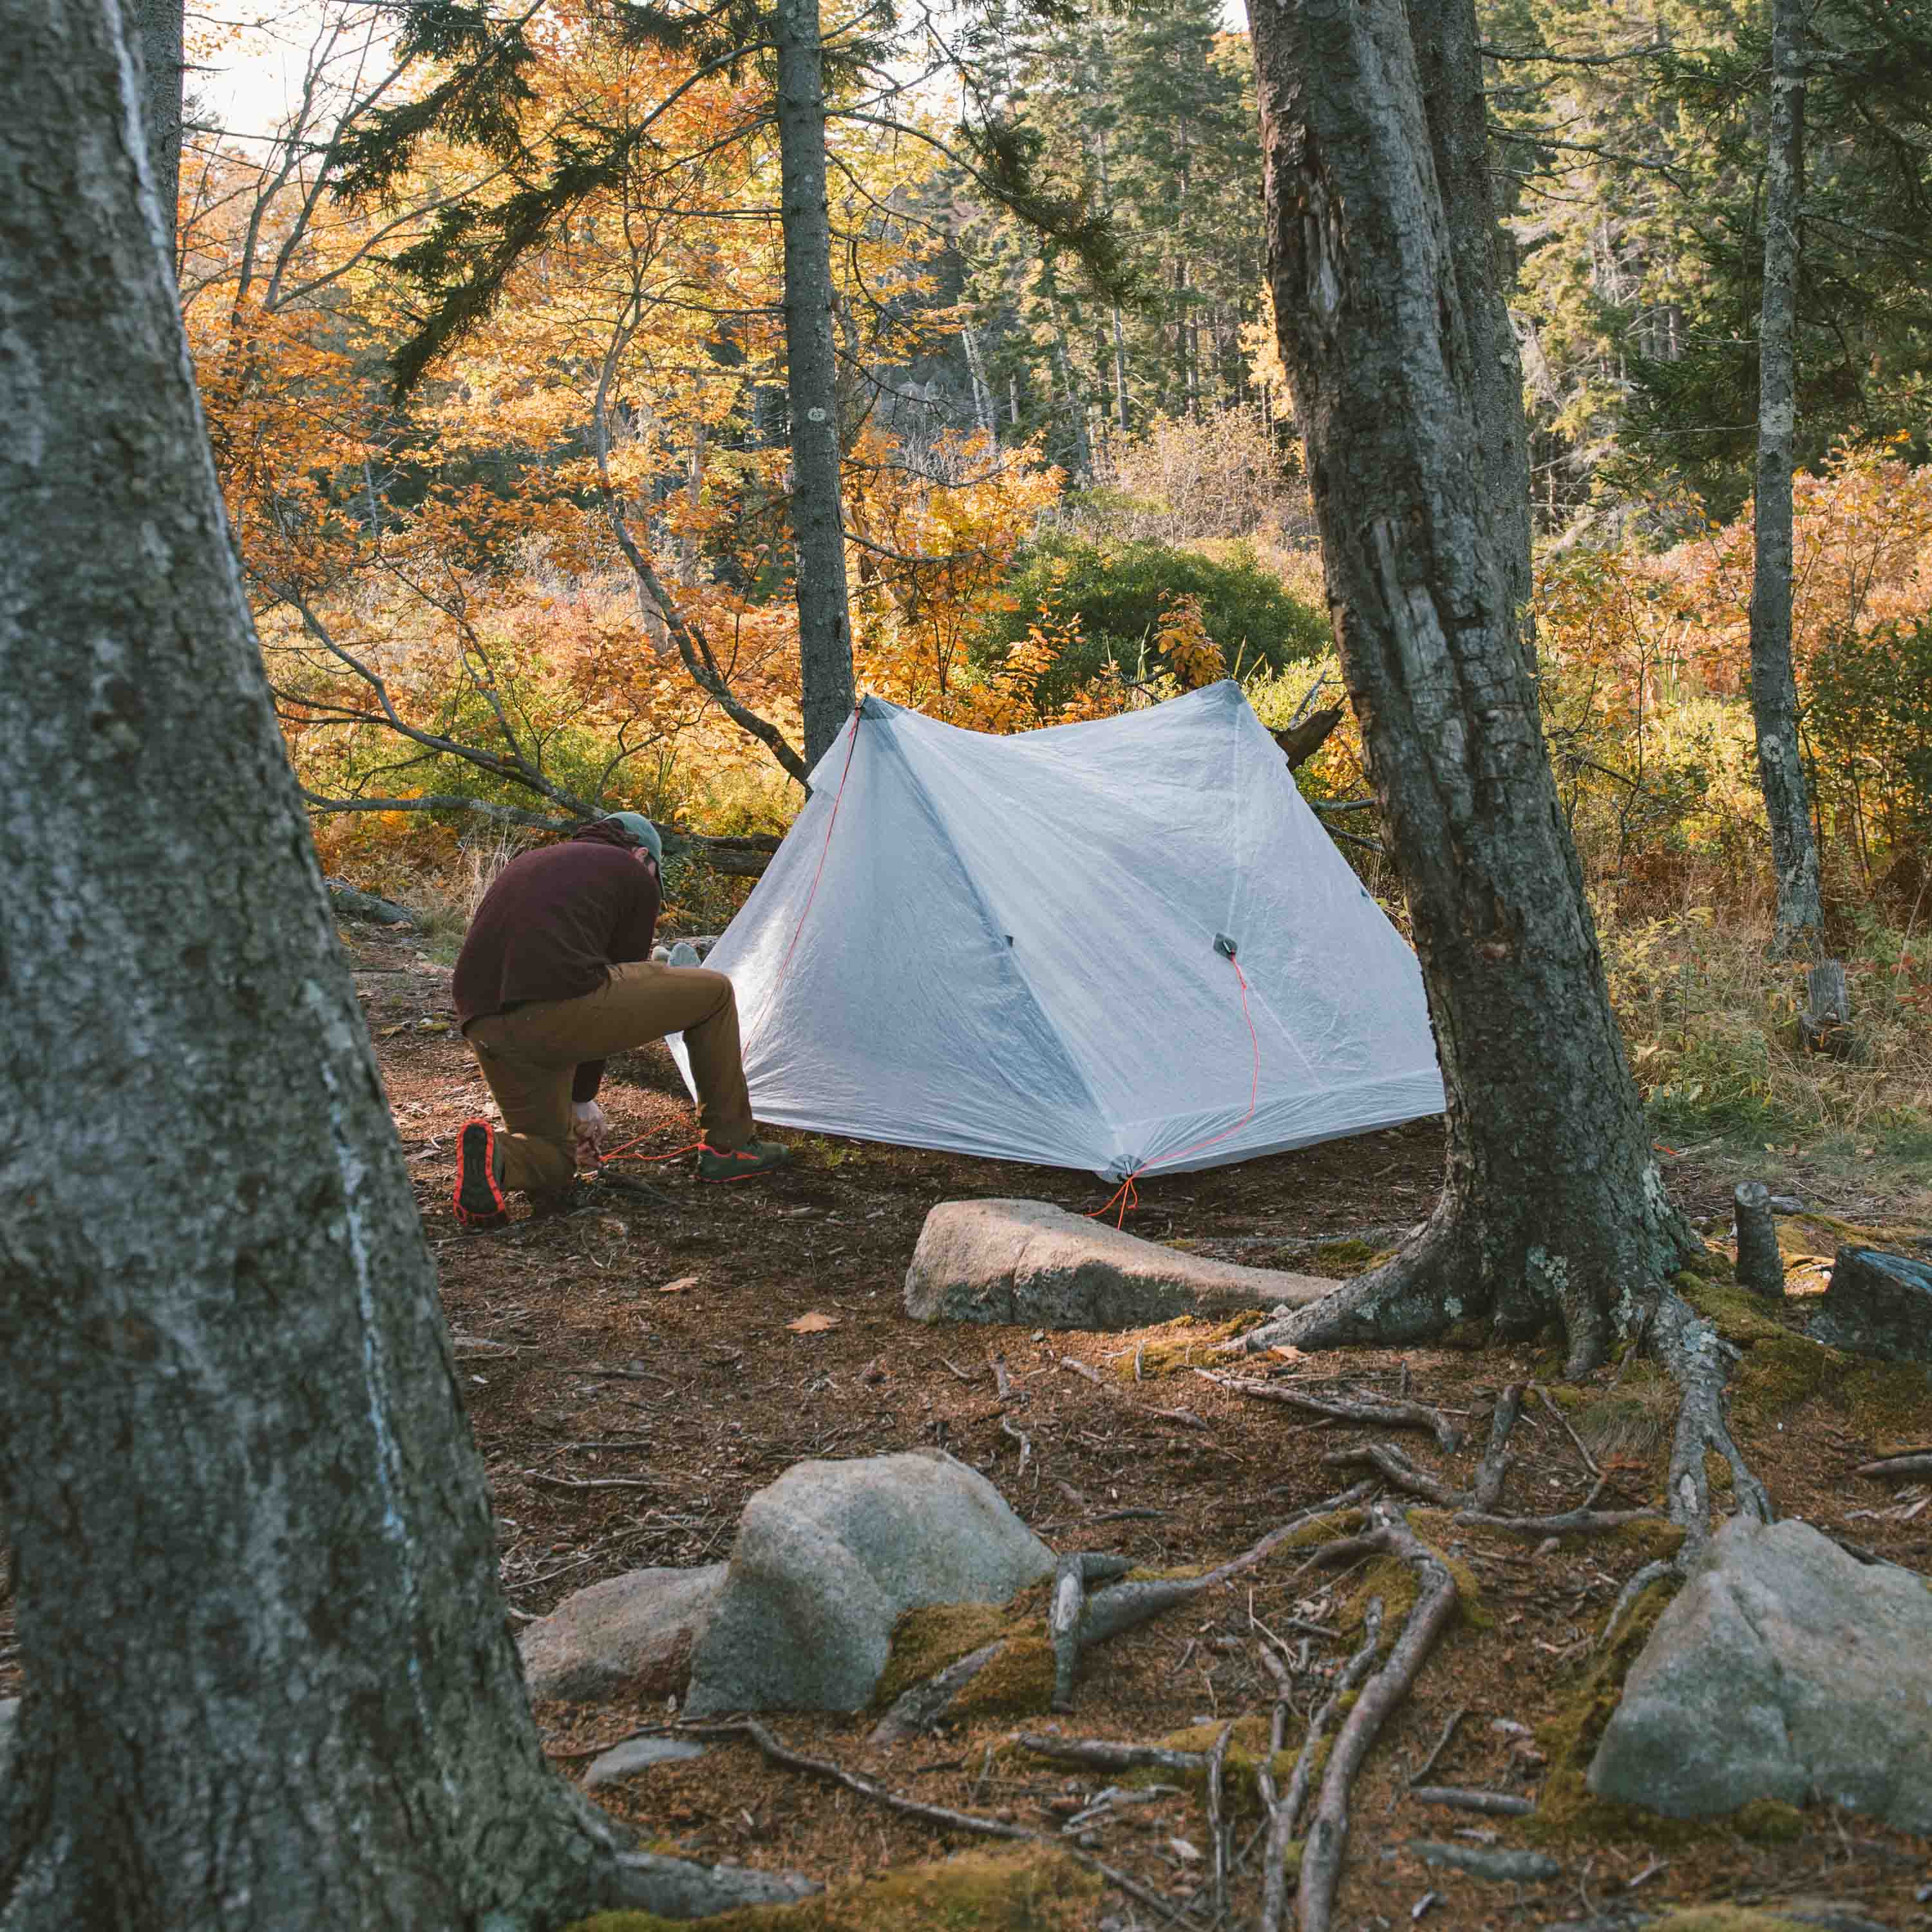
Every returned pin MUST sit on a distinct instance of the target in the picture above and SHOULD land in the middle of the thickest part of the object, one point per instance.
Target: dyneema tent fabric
(1019, 947)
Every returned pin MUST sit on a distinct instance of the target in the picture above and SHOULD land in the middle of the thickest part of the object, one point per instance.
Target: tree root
(1565, 1523)
(1699, 1360)
(1399, 1471)
(1487, 1489)
(1360, 1408)
(1434, 1605)
(912, 1807)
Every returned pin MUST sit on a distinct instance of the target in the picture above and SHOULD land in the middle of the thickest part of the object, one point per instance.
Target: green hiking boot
(740, 1163)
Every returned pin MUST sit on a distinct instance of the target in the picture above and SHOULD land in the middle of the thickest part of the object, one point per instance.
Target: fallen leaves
(677, 1287)
(812, 1323)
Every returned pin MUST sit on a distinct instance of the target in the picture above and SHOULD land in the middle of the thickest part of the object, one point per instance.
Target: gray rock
(826, 1559)
(636, 1754)
(1785, 1667)
(1027, 1262)
(632, 1635)
(1878, 1304)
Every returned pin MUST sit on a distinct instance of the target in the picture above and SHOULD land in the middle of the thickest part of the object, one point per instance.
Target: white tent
(1016, 947)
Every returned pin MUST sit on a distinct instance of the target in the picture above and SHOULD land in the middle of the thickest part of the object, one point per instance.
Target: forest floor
(653, 1344)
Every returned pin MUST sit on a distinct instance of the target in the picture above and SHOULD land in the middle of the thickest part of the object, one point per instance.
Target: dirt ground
(651, 1343)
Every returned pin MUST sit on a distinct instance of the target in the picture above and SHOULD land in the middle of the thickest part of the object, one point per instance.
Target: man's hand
(586, 1131)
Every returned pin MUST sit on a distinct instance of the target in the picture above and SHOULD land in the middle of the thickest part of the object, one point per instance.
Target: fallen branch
(912, 1807)
(1217, 1826)
(1101, 1754)
(1435, 1606)
(1370, 1409)
(1529, 1867)
(1897, 1466)
(1062, 1628)
(595, 1482)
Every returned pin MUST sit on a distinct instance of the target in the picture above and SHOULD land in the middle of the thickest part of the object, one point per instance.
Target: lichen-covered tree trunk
(824, 613)
(1552, 1210)
(268, 1679)
(1794, 851)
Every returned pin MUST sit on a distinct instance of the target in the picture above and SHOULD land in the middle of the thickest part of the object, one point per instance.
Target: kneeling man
(556, 975)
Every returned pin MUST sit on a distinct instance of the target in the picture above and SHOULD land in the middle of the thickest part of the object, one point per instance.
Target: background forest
(494, 359)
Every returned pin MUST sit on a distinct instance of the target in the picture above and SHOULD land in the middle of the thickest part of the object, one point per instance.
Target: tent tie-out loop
(1126, 1194)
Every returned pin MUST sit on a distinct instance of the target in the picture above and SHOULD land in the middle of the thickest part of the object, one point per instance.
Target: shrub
(1120, 594)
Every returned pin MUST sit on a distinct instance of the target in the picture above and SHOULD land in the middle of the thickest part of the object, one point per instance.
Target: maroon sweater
(551, 928)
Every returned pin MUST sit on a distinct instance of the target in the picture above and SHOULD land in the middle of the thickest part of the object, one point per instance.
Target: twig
(1080, 1368)
(594, 1482)
(1003, 1382)
(912, 1807)
(1020, 1436)
(1548, 1402)
(1429, 1763)
(1327, 1834)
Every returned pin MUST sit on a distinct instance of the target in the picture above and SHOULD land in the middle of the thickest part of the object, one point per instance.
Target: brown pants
(530, 1056)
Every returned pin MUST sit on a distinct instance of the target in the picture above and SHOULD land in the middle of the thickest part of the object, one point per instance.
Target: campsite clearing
(575, 1364)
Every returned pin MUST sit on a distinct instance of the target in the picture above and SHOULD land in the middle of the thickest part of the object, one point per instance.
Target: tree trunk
(269, 1683)
(824, 619)
(154, 27)
(1794, 852)
(1552, 1210)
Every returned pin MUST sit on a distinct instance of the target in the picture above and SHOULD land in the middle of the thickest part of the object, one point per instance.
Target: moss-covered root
(1037, 1889)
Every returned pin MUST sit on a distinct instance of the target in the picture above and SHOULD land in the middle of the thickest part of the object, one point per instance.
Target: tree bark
(269, 1683)
(1794, 852)
(1552, 1209)
(824, 616)
(155, 29)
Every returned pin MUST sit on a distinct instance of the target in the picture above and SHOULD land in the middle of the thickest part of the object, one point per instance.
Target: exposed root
(1699, 1360)
(1399, 1471)
(1434, 1605)
(1489, 1803)
(1062, 1628)
(1487, 1490)
(1103, 1754)
(1406, 1300)
(1566, 1522)
(1374, 1409)
(912, 1807)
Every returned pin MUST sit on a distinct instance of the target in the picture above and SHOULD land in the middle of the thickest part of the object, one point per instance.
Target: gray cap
(641, 831)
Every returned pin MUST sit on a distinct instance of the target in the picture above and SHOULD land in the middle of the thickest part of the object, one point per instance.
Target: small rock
(1784, 1667)
(1878, 1304)
(636, 1754)
(632, 1635)
(1025, 1261)
(827, 1559)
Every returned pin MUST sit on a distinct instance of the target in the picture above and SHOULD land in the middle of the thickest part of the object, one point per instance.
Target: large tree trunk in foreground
(1552, 1209)
(824, 615)
(1794, 851)
(269, 1682)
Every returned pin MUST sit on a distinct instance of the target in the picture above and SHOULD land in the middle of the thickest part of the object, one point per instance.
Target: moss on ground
(1188, 1342)
(1349, 1257)
(1737, 1315)
(1017, 1682)
(1636, 1418)
(1718, 1472)
(1888, 1400)
(1039, 1889)
(1776, 1376)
